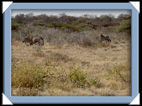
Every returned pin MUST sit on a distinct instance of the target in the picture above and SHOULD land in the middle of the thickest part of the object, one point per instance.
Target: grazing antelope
(32, 40)
(105, 38)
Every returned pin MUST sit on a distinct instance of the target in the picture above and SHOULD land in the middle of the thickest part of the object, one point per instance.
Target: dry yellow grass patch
(71, 70)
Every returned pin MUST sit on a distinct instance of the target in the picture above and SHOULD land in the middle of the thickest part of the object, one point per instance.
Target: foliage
(83, 24)
(82, 31)
(38, 23)
(55, 24)
(15, 26)
(123, 17)
(63, 26)
(125, 26)
(70, 23)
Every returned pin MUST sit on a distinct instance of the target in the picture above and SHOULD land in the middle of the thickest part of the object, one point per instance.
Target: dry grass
(27, 75)
(72, 70)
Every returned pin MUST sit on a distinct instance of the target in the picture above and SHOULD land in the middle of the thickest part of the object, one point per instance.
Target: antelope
(32, 40)
(105, 38)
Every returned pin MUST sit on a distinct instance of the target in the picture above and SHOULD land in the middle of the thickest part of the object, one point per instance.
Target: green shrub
(125, 26)
(77, 77)
(55, 25)
(83, 24)
(15, 26)
(63, 26)
(38, 23)
(79, 25)
(111, 29)
(71, 28)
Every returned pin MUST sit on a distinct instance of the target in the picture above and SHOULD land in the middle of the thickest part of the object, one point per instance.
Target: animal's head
(100, 34)
(41, 38)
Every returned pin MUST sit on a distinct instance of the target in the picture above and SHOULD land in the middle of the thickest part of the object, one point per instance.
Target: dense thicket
(82, 30)
(71, 23)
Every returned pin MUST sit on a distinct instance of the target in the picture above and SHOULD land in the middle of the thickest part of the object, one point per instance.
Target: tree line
(71, 23)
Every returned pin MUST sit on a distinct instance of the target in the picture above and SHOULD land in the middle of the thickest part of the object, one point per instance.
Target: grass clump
(94, 81)
(27, 75)
(77, 77)
(119, 73)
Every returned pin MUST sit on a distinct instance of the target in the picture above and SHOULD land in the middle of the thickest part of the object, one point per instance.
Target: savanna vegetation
(72, 61)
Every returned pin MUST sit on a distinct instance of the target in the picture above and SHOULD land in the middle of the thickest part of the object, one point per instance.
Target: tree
(123, 17)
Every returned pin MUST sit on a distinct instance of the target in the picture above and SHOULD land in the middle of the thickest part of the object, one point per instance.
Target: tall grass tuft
(120, 73)
(27, 75)
(77, 77)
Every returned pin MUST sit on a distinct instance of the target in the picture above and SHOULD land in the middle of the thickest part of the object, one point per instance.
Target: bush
(71, 28)
(55, 25)
(83, 24)
(110, 29)
(125, 26)
(82, 38)
(16, 36)
(38, 23)
(15, 26)
(63, 26)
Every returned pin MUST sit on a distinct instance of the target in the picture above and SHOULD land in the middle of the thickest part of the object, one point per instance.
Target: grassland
(72, 69)
(73, 61)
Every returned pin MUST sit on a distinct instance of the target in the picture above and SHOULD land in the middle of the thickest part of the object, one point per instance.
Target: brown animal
(32, 40)
(105, 38)
(27, 40)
